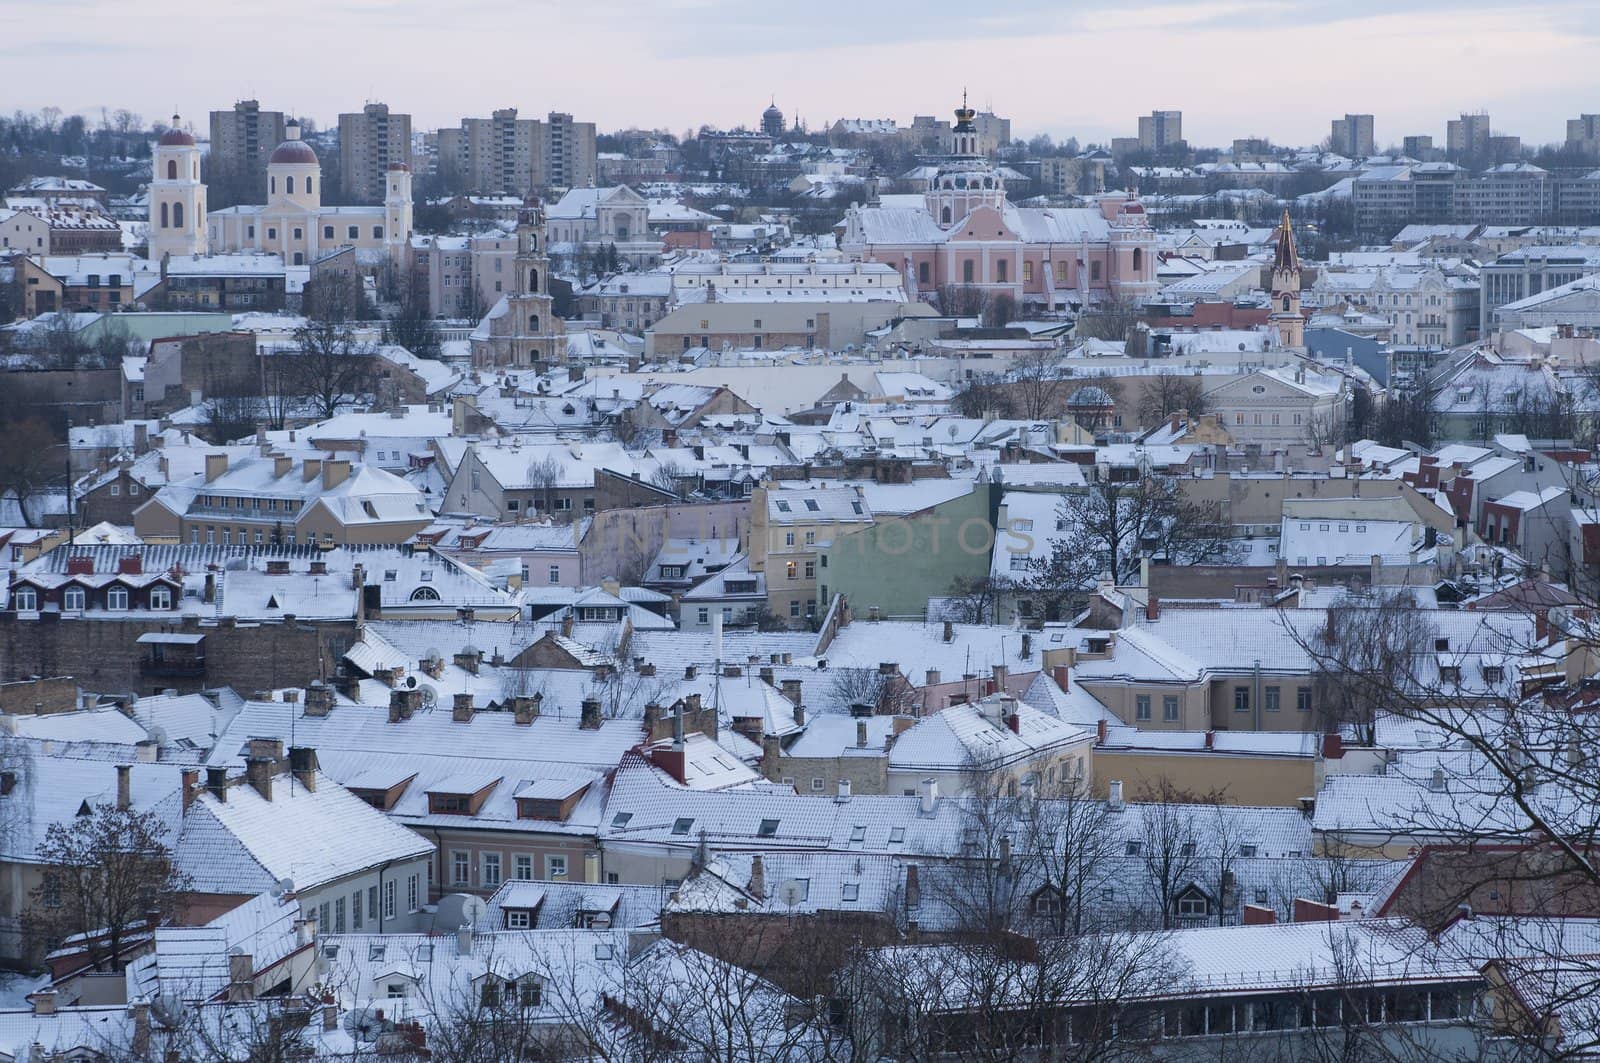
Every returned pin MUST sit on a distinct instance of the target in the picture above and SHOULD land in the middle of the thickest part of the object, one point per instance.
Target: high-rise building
(1583, 134)
(492, 155)
(1352, 135)
(1161, 131)
(241, 140)
(564, 153)
(1418, 147)
(1467, 135)
(368, 142)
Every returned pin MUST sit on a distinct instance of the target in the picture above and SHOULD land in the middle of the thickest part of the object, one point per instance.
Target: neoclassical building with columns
(292, 223)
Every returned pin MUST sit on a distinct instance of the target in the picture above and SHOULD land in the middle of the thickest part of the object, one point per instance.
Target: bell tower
(397, 207)
(177, 198)
(1287, 324)
(538, 338)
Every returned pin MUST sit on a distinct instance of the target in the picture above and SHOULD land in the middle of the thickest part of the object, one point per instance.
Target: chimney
(913, 887)
(141, 437)
(1014, 722)
(1000, 672)
(310, 469)
(124, 787)
(210, 594)
(216, 465)
(844, 791)
(330, 1015)
(791, 691)
(466, 661)
(241, 977)
(1259, 915)
(1027, 646)
(930, 796)
(1152, 609)
(303, 764)
(335, 473)
(758, 877)
(43, 1001)
(566, 625)
(319, 698)
(217, 783)
(1332, 746)
(1114, 795)
(1306, 911)
(139, 1013)
(524, 709)
(688, 671)
(590, 720)
(861, 734)
(464, 939)
(1062, 675)
(258, 773)
(766, 674)
(949, 631)
(1102, 729)
(461, 708)
(190, 782)
(281, 464)
(931, 679)
(402, 703)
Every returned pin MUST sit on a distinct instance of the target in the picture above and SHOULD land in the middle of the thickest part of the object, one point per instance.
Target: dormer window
(682, 825)
(768, 828)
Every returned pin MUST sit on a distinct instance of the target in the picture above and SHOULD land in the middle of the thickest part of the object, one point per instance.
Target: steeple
(1285, 258)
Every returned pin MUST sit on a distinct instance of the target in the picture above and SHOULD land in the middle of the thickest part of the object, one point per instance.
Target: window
(791, 569)
(117, 598)
(922, 267)
(411, 893)
(491, 869)
(518, 919)
(1193, 905)
(682, 825)
(388, 899)
(704, 615)
(460, 868)
(967, 271)
(788, 538)
(1271, 704)
(338, 915)
(1142, 710)
(816, 784)
(556, 866)
(811, 570)
(73, 599)
(354, 233)
(1169, 707)
(1302, 699)
(372, 903)
(1000, 270)
(1247, 851)
(327, 232)
(1241, 699)
(522, 867)
(768, 829)
(794, 608)
(1133, 847)
(25, 599)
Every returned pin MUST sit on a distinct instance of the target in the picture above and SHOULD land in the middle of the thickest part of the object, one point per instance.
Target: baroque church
(293, 222)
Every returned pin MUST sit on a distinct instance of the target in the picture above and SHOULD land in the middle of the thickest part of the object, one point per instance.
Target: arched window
(177, 215)
(308, 186)
(1286, 303)
(172, 169)
(164, 216)
(533, 323)
(274, 186)
(944, 216)
(288, 184)
(1138, 258)
(533, 280)
(1000, 271)
(424, 594)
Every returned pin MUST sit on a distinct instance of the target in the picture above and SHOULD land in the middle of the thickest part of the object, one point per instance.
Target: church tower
(1287, 324)
(538, 338)
(177, 198)
(397, 205)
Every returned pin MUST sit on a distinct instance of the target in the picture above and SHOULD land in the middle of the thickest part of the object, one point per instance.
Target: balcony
(173, 668)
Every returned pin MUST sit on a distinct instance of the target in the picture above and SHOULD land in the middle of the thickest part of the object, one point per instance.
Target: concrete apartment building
(788, 531)
(563, 152)
(1352, 135)
(369, 140)
(492, 154)
(1583, 134)
(241, 139)
(1160, 131)
(1467, 135)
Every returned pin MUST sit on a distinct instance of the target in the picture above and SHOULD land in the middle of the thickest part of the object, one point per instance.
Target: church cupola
(293, 173)
(177, 198)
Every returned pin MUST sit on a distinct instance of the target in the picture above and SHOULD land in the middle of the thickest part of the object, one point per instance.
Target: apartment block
(1161, 130)
(564, 152)
(1352, 135)
(369, 140)
(242, 138)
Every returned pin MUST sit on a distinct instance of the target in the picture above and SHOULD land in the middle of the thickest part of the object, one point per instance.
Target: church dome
(293, 151)
(175, 137)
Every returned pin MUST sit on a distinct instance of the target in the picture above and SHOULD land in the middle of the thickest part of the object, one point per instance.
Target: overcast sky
(1275, 68)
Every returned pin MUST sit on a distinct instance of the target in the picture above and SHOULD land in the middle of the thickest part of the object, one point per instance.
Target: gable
(983, 223)
(1245, 389)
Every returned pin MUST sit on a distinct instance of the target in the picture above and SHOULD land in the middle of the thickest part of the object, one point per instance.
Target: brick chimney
(216, 465)
(190, 781)
(258, 773)
(403, 703)
(1000, 673)
(310, 469)
(466, 661)
(319, 698)
(124, 787)
(525, 709)
(217, 783)
(1259, 915)
(334, 473)
(861, 734)
(303, 763)
(1062, 675)
(1332, 746)
(1152, 609)
(913, 887)
(461, 709)
(1307, 911)
(758, 877)
(590, 719)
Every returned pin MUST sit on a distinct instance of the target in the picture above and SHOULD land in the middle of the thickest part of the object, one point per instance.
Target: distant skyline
(1280, 69)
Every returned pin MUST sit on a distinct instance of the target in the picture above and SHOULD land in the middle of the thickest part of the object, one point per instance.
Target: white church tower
(177, 198)
(397, 223)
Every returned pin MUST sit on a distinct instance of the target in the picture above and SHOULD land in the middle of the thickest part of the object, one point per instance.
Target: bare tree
(107, 873)
(1037, 385)
(1169, 392)
(330, 367)
(544, 474)
(1369, 647)
(29, 465)
(1168, 849)
(974, 599)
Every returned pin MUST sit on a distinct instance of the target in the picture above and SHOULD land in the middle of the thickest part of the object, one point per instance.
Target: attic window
(1133, 848)
(331, 951)
(768, 828)
(783, 507)
(1441, 645)
(856, 506)
(851, 891)
(1247, 851)
(897, 835)
(620, 820)
(427, 575)
(389, 575)
(374, 953)
(602, 951)
(858, 834)
(811, 504)
(682, 824)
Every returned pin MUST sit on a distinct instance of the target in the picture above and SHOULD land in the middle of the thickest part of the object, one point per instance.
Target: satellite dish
(283, 887)
(364, 1024)
(456, 910)
(169, 1009)
(791, 892)
(411, 682)
(430, 698)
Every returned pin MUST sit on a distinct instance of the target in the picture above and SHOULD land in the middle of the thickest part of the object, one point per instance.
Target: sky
(1275, 68)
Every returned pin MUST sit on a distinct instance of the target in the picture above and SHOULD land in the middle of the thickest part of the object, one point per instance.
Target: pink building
(963, 233)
